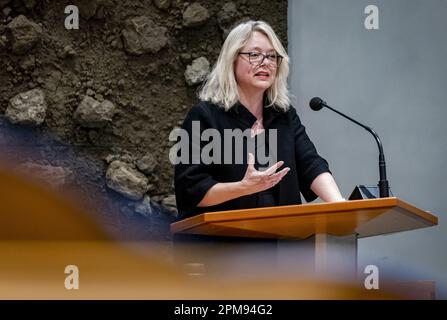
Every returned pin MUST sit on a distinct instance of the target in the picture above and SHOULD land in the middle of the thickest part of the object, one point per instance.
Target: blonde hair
(220, 87)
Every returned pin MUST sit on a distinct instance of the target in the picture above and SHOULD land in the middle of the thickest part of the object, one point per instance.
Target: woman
(247, 90)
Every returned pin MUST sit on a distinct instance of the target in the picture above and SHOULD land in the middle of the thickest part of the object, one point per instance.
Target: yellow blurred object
(31, 211)
(35, 270)
(42, 232)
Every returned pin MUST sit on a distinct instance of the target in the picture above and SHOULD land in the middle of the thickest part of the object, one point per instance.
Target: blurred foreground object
(319, 237)
(31, 211)
(41, 233)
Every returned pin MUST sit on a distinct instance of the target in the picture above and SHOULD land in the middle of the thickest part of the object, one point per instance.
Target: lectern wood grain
(365, 217)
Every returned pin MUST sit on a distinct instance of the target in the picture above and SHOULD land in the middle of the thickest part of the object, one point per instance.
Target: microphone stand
(383, 182)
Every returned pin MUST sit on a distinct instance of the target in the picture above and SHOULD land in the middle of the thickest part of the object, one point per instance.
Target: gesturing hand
(256, 181)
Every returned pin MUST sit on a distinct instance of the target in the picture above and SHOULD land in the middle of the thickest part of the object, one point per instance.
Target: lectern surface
(366, 218)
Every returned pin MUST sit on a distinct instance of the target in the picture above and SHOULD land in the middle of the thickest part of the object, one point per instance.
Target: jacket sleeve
(309, 163)
(193, 180)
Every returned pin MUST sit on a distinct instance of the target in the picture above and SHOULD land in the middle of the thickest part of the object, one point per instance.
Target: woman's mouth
(262, 75)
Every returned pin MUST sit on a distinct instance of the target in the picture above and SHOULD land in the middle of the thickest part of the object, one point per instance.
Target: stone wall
(93, 108)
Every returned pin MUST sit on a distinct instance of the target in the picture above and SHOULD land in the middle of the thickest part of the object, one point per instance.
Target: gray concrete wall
(393, 79)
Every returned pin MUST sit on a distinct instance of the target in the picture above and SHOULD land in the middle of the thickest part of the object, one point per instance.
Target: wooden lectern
(328, 232)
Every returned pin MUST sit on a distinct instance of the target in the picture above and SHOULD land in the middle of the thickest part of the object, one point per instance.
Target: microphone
(317, 104)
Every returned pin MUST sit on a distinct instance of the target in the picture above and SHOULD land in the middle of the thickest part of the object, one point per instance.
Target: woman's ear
(234, 72)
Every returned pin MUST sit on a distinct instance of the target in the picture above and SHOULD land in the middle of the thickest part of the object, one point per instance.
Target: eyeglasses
(257, 58)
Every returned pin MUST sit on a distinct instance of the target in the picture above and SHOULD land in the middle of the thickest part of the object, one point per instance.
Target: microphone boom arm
(383, 182)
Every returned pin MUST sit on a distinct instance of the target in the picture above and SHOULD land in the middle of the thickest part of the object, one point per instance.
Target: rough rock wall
(93, 108)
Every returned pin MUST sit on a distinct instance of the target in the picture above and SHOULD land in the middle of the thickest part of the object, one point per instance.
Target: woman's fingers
(280, 174)
(273, 168)
(251, 158)
(267, 172)
(265, 177)
(273, 179)
(251, 161)
(262, 180)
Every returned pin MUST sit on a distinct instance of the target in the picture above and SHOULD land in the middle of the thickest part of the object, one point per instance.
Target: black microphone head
(316, 104)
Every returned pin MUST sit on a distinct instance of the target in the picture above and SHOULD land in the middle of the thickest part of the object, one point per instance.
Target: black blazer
(192, 181)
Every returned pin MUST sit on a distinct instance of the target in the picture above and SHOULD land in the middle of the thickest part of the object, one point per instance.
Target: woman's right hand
(255, 181)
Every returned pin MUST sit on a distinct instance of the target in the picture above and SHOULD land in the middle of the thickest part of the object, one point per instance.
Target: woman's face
(252, 76)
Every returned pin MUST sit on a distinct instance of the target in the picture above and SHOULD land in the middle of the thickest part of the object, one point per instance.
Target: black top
(192, 181)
